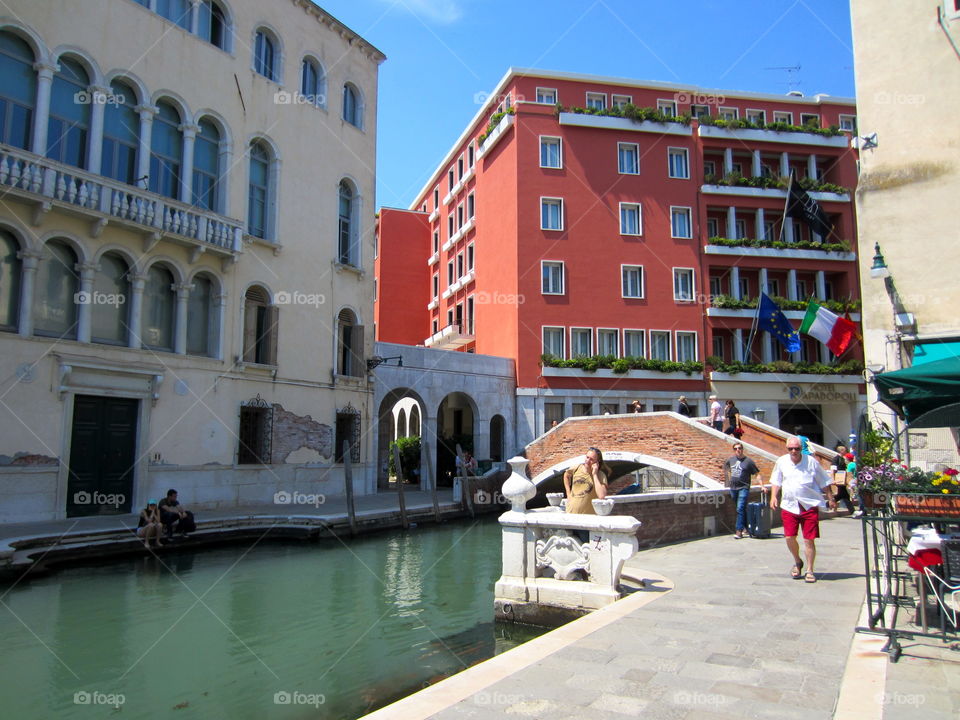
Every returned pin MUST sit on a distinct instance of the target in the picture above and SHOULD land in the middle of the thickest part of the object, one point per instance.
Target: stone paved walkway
(734, 638)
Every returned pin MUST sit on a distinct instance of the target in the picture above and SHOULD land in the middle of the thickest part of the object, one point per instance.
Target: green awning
(916, 392)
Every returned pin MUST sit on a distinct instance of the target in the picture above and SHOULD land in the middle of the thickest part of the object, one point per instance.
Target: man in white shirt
(716, 413)
(805, 485)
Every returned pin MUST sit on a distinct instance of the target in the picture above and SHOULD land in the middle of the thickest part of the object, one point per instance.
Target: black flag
(803, 207)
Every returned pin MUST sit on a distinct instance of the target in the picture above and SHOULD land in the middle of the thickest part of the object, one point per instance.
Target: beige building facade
(186, 253)
(907, 58)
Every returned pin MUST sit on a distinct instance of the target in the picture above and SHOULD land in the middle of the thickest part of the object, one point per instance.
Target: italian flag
(832, 330)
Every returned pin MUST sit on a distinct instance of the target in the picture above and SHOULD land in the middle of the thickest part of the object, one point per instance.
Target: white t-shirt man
(716, 412)
(802, 483)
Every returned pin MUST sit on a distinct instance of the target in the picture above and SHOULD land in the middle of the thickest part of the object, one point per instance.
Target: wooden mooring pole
(431, 480)
(348, 481)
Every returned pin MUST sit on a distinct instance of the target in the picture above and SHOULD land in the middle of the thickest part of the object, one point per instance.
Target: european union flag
(771, 319)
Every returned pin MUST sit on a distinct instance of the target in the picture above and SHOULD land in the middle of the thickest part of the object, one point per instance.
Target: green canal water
(285, 630)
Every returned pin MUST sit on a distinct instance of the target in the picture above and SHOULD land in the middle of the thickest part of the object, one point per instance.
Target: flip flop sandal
(797, 570)
(810, 578)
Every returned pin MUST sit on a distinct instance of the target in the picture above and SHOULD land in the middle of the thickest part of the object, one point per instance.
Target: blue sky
(442, 54)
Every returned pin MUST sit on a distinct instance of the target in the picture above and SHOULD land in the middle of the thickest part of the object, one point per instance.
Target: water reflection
(223, 633)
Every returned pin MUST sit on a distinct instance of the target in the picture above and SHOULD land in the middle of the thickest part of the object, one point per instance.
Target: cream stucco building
(907, 59)
(186, 253)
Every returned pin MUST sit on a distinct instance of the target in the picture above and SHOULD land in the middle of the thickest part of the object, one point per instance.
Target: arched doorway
(455, 426)
(395, 421)
(496, 438)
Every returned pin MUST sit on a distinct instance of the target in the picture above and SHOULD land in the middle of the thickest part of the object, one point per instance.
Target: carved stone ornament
(564, 555)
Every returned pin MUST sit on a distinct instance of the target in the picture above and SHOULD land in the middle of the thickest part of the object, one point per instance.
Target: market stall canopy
(925, 395)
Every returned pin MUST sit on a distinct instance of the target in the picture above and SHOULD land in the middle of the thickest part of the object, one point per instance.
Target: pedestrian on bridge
(739, 471)
(586, 482)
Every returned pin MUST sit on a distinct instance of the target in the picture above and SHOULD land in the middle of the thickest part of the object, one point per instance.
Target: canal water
(257, 630)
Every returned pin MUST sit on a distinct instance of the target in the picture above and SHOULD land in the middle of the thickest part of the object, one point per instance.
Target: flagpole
(753, 330)
(786, 204)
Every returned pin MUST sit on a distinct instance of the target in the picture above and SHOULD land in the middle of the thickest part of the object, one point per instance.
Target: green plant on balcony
(740, 124)
(771, 182)
(728, 302)
(621, 365)
(492, 125)
(785, 367)
(779, 244)
(630, 112)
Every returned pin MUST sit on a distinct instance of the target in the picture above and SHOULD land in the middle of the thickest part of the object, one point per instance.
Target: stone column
(195, 16)
(143, 153)
(735, 282)
(29, 261)
(137, 283)
(727, 161)
(88, 272)
(812, 167)
(821, 283)
(186, 176)
(41, 114)
(220, 303)
(738, 354)
(764, 280)
(792, 285)
(755, 164)
(760, 222)
(731, 222)
(99, 96)
(785, 165)
(180, 323)
(766, 342)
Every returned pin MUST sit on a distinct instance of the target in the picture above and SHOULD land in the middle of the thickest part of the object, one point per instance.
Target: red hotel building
(553, 227)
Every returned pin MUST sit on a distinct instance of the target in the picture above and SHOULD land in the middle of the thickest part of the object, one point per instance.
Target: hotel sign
(825, 392)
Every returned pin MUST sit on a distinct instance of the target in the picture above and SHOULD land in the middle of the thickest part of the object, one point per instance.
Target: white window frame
(677, 273)
(679, 209)
(738, 233)
(588, 331)
(471, 257)
(784, 116)
(643, 341)
(698, 111)
(809, 116)
(667, 106)
(713, 223)
(851, 120)
(553, 264)
(719, 348)
(620, 100)
(545, 91)
(745, 287)
(436, 285)
(461, 215)
(709, 167)
(722, 112)
(643, 289)
(559, 144)
(608, 332)
(661, 333)
(716, 285)
(754, 111)
(676, 340)
(639, 209)
(596, 96)
(674, 151)
(543, 340)
(636, 152)
(558, 202)
(471, 205)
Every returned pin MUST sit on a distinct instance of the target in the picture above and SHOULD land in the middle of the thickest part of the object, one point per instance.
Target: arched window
(202, 323)
(258, 206)
(54, 295)
(260, 328)
(69, 114)
(313, 84)
(166, 151)
(177, 11)
(402, 428)
(9, 282)
(349, 345)
(352, 112)
(264, 55)
(206, 166)
(347, 247)
(213, 25)
(414, 422)
(158, 310)
(18, 90)
(110, 300)
(121, 134)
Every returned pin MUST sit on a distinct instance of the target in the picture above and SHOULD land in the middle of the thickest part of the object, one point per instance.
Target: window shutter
(271, 334)
(249, 332)
(358, 364)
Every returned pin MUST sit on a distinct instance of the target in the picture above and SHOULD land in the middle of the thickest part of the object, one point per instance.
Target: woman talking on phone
(586, 482)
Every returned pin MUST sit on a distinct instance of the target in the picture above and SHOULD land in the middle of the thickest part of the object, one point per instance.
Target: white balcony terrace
(450, 338)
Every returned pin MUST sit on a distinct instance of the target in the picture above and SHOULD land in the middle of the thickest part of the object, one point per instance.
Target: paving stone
(747, 692)
(620, 704)
(731, 660)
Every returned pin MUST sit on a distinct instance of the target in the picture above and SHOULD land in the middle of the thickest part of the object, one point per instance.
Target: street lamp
(879, 268)
(758, 414)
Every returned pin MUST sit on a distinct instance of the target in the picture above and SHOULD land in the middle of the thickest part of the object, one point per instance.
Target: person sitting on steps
(173, 513)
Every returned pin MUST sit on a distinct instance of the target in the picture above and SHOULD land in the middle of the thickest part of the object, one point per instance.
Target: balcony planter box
(748, 135)
(780, 253)
(924, 505)
(746, 191)
(605, 122)
(785, 378)
(607, 374)
(498, 132)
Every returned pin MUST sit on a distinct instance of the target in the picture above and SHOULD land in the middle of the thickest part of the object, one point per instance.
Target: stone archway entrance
(456, 425)
(398, 416)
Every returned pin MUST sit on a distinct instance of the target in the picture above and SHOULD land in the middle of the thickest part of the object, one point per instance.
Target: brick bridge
(660, 439)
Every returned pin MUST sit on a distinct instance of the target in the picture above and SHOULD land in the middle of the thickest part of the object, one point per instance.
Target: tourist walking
(716, 413)
(840, 466)
(586, 482)
(683, 407)
(739, 471)
(805, 486)
(733, 420)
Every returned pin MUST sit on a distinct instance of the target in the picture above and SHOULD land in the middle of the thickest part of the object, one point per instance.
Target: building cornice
(351, 37)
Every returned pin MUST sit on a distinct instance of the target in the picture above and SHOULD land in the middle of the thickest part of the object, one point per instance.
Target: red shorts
(808, 519)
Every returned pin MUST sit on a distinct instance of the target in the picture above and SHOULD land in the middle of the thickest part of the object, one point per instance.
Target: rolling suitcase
(758, 517)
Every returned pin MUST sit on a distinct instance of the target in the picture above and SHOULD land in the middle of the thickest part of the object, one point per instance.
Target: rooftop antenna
(793, 81)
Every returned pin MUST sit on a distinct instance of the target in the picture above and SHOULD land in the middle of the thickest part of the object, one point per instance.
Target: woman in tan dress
(586, 482)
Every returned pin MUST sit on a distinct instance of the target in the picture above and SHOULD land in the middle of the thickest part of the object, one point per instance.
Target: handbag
(738, 432)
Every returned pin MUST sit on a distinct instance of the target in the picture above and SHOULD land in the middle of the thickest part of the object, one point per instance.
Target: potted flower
(934, 494)
(875, 484)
